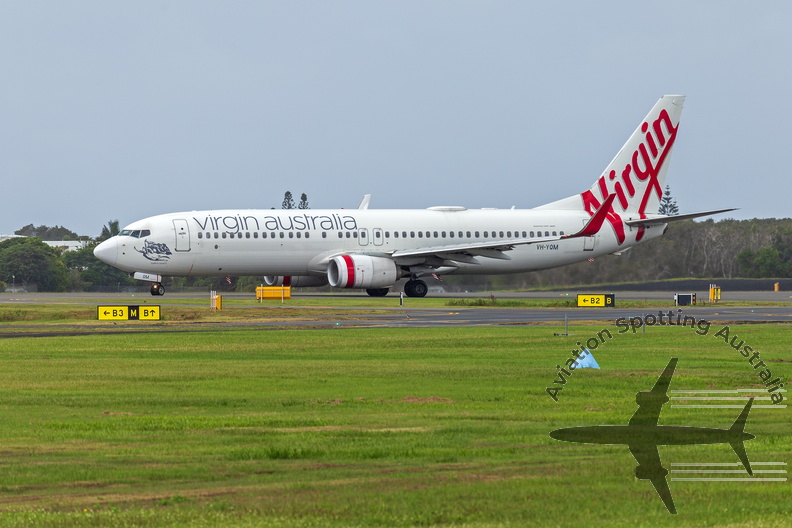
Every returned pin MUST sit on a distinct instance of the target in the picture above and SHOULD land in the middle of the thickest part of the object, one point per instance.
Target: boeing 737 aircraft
(373, 249)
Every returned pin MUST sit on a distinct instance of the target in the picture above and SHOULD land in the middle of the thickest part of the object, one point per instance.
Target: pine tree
(303, 202)
(668, 205)
(288, 201)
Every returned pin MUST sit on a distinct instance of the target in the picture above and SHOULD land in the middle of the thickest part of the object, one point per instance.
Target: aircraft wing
(651, 402)
(664, 219)
(495, 248)
(650, 468)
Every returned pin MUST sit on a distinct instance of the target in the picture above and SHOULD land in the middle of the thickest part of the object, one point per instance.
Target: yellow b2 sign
(599, 300)
(128, 313)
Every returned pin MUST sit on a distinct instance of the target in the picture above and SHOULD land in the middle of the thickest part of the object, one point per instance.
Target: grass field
(366, 427)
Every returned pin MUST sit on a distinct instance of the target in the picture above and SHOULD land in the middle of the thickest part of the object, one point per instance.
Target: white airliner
(373, 249)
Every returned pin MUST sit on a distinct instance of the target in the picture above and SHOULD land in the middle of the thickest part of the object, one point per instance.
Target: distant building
(67, 245)
(63, 245)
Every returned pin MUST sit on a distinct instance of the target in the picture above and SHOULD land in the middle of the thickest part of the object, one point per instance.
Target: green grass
(364, 427)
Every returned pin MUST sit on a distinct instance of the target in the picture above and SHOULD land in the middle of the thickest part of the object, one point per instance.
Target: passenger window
(428, 234)
(324, 234)
(460, 234)
(282, 235)
(451, 234)
(354, 235)
(247, 234)
(524, 235)
(224, 234)
(200, 235)
(420, 234)
(435, 234)
(340, 234)
(443, 234)
(562, 233)
(485, 234)
(299, 234)
(477, 234)
(348, 235)
(508, 234)
(468, 234)
(255, 234)
(307, 234)
(554, 233)
(547, 233)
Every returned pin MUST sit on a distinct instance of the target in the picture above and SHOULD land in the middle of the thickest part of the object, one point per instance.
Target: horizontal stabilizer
(738, 435)
(657, 220)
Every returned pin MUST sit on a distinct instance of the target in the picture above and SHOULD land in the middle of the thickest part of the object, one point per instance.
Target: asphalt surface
(411, 316)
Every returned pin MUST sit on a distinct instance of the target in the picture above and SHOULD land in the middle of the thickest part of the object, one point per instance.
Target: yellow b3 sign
(128, 313)
(599, 300)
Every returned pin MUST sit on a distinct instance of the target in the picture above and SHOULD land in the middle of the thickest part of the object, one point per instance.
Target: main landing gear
(157, 289)
(377, 292)
(416, 288)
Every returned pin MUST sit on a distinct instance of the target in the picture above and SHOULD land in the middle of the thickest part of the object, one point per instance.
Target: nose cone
(565, 435)
(107, 251)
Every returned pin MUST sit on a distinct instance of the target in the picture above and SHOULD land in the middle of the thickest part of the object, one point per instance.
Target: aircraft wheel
(416, 288)
(377, 292)
(157, 289)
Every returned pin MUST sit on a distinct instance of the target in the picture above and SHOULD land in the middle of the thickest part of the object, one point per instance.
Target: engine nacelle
(362, 271)
(298, 281)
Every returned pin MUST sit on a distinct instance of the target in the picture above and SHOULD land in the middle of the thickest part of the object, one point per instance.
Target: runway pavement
(412, 316)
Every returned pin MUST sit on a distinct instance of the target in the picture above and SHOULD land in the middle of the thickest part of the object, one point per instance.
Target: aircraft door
(590, 241)
(363, 237)
(182, 235)
(378, 238)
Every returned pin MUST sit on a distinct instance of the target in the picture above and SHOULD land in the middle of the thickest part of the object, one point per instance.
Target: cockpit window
(138, 233)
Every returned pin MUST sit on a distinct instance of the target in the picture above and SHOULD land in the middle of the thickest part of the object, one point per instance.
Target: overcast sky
(122, 110)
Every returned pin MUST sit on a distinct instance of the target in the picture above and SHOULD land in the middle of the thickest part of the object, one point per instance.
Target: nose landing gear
(157, 289)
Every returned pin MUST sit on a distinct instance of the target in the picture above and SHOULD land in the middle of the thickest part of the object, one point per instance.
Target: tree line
(757, 248)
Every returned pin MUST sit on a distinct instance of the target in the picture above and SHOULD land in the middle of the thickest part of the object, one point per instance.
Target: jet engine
(362, 271)
(298, 281)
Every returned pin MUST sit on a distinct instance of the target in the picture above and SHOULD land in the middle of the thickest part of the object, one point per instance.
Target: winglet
(364, 203)
(738, 436)
(592, 227)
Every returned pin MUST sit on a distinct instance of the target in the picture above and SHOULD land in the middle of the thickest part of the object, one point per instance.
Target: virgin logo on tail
(642, 170)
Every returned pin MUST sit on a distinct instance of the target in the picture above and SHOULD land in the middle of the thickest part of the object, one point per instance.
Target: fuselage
(301, 242)
(648, 435)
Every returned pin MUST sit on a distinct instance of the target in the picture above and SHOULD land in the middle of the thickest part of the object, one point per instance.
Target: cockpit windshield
(138, 233)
